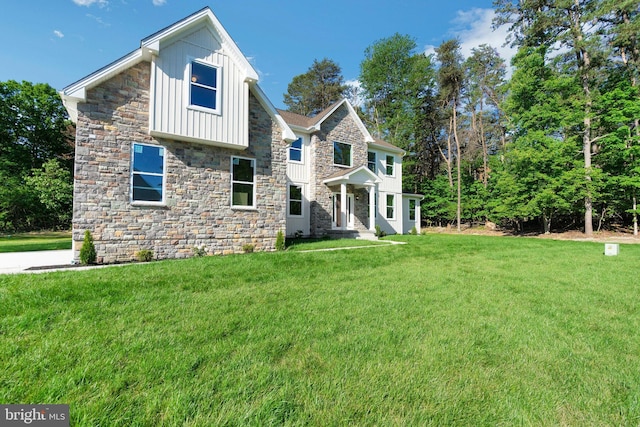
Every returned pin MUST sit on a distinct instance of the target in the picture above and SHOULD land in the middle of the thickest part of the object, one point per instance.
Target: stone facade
(198, 181)
(340, 127)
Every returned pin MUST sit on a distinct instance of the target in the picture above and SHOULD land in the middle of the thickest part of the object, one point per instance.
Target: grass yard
(36, 241)
(446, 330)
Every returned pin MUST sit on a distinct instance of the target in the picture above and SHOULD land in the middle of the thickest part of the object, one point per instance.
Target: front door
(337, 208)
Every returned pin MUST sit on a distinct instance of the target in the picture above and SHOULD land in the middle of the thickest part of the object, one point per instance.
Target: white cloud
(58, 33)
(159, 2)
(87, 3)
(98, 20)
(473, 28)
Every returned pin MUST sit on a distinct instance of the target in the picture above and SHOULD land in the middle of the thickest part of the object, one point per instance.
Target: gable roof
(150, 47)
(359, 175)
(312, 124)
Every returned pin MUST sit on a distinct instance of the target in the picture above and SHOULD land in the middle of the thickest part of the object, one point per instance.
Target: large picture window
(295, 151)
(147, 173)
(243, 183)
(295, 200)
(203, 84)
(341, 154)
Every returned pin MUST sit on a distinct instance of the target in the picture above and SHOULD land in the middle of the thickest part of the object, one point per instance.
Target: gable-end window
(243, 183)
(341, 154)
(390, 206)
(371, 161)
(295, 200)
(295, 151)
(389, 165)
(204, 86)
(147, 173)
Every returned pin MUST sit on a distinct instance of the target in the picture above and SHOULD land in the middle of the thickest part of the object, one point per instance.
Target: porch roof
(358, 176)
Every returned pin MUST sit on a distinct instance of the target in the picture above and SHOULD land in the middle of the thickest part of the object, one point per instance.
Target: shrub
(280, 246)
(247, 248)
(88, 250)
(379, 232)
(413, 231)
(144, 255)
(199, 251)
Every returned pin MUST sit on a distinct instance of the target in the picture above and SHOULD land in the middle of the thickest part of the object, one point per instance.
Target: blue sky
(61, 41)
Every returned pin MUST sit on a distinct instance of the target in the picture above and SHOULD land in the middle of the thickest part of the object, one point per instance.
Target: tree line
(555, 145)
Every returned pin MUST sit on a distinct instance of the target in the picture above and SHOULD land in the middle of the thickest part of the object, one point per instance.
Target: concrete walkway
(18, 262)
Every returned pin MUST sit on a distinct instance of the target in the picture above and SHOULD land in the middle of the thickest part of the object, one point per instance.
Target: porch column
(343, 206)
(372, 208)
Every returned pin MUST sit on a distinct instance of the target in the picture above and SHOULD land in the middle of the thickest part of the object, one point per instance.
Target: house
(178, 147)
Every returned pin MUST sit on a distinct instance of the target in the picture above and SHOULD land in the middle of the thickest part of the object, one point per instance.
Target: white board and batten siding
(298, 173)
(171, 115)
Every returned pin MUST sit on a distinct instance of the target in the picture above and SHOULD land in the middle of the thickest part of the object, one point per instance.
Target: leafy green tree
(53, 186)
(317, 89)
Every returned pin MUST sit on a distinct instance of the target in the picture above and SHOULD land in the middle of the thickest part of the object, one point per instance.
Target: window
(147, 173)
(371, 161)
(412, 210)
(295, 200)
(295, 151)
(390, 161)
(203, 84)
(243, 182)
(341, 154)
(375, 206)
(390, 206)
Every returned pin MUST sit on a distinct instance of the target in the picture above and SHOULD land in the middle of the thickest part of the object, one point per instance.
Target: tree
(317, 89)
(53, 186)
(34, 129)
(451, 83)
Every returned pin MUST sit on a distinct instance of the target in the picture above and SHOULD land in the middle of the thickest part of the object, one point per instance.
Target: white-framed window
(295, 200)
(204, 86)
(412, 210)
(391, 211)
(341, 154)
(390, 161)
(295, 151)
(243, 182)
(371, 161)
(147, 174)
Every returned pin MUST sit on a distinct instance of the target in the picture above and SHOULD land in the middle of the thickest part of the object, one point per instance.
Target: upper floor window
(147, 173)
(412, 210)
(295, 151)
(341, 154)
(389, 165)
(371, 161)
(243, 182)
(204, 86)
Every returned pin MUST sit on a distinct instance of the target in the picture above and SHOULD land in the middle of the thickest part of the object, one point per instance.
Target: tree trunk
(458, 155)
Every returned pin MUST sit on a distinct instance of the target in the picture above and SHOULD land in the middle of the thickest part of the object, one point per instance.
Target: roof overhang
(387, 147)
(287, 133)
(327, 113)
(412, 196)
(149, 48)
(360, 177)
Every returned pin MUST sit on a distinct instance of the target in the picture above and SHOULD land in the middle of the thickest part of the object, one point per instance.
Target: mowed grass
(36, 241)
(445, 330)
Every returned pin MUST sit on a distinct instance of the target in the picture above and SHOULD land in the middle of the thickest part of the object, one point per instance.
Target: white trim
(218, 88)
(350, 154)
(367, 136)
(164, 176)
(287, 133)
(254, 183)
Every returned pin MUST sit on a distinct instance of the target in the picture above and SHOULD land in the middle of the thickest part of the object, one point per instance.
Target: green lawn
(37, 241)
(446, 330)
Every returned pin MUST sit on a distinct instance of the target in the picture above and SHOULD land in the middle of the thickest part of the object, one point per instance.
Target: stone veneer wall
(340, 127)
(198, 181)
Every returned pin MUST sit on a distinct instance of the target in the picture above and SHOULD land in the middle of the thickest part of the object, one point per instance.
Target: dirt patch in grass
(618, 236)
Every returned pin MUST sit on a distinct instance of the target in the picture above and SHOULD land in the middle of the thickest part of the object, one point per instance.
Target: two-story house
(178, 147)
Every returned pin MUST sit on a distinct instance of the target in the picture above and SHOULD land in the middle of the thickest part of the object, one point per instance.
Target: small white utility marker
(611, 249)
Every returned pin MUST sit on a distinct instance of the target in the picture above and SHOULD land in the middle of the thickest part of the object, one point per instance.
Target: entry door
(337, 218)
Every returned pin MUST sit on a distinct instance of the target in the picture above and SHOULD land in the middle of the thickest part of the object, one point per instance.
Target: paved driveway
(16, 262)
